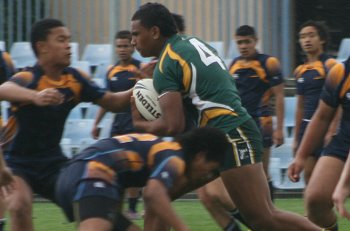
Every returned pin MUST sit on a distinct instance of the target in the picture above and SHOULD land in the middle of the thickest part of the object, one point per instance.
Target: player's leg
(133, 197)
(309, 167)
(252, 198)
(2, 215)
(218, 203)
(19, 205)
(266, 128)
(318, 194)
(266, 164)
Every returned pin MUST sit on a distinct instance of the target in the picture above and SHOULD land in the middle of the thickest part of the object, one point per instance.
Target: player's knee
(316, 202)
(263, 223)
(207, 197)
(20, 208)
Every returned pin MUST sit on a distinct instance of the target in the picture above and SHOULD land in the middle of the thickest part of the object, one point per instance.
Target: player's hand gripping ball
(146, 99)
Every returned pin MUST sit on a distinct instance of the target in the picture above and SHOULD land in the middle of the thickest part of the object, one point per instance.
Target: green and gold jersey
(190, 66)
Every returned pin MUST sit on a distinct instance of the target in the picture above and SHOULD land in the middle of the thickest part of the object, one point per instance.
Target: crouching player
(90, 187)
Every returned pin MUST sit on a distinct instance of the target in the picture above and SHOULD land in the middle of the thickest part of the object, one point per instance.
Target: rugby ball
(146, 99)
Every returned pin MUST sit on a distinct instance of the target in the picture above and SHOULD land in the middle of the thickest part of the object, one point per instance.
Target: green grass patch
(48, 217)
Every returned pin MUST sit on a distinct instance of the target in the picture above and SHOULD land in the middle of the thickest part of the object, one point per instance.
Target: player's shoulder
(269, 61)
(328, 60)
(337, 74)
(76, 72)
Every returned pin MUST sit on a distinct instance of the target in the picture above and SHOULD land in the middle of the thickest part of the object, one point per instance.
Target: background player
(120, 77)
(43, 96)
(310, 77)
(327, 171)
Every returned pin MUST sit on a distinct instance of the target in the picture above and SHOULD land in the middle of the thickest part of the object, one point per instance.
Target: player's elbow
(173, 128)
(172, 131)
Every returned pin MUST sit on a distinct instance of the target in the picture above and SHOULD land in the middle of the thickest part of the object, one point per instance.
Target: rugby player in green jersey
(194, 83)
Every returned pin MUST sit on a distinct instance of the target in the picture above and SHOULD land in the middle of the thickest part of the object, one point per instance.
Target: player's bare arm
(342, 191)
(157, 200)
(115, 102)
(278, 91)
(15, 93)
(313, 138)
(172, 120)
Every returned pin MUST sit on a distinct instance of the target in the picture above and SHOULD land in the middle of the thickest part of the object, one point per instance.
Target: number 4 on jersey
(207, 56)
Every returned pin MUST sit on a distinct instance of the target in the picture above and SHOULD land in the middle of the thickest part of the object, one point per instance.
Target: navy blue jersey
(253, 78)
(34, 130)
(121, 78)
(310, 79)
(130, 160)
(336, 91)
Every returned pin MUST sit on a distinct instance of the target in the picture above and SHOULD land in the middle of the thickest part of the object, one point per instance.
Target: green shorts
(246, 146)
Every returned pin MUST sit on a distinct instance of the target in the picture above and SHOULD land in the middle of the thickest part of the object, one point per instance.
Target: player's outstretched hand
(49, 96)
(294, 170)
(146, 70)
(339, 196)
(6, 182)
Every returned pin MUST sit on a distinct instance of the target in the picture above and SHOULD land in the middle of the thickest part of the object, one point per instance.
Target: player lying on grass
(90, 188)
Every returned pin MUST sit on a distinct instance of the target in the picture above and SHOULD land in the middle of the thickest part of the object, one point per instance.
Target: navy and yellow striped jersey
(130, 160)
(310, 78)
(253, 78)
(33, 130)
(336, 91)
(121, 78)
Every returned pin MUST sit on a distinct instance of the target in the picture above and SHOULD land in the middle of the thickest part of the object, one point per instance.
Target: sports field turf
(48, 217)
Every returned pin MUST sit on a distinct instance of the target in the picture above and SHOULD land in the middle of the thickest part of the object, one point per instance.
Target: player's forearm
(298, 120)
(115, 102)
(316, 131)
(100, 114)
(14, 93)
(159, 127)
(280, 109)
(157, 200)
(344, 180)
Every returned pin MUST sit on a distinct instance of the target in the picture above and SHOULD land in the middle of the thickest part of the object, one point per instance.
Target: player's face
(124, 49)
(246, 45)
(145, 40)
(309, 40)
(201, 168)
(56, 48)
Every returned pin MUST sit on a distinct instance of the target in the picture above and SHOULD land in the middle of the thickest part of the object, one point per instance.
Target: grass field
(48, 217)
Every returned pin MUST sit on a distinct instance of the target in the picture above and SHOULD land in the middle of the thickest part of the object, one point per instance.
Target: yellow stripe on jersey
(7, 59)
(212, 113)
(119, 68)
(161, 147)
(97, 169)
(186, 70)
(66, 81)
(25, 76)
(317, 65)
(135, 160)
(255, 65)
